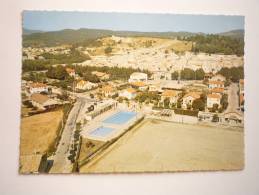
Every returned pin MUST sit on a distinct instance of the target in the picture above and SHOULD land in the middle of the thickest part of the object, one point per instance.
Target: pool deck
(99, 122)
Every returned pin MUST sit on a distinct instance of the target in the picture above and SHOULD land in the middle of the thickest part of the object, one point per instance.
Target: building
(129, 93)
(154, 88)
(71, 72)
(42, 101)
(189, 98)
(38, 88)
(161, 75)
(108, 91)
(85, 85)
(218, 77)
(213, 99)
(219, 91)
(172, 95)
(101, 75)
(138, 76)
(140, 85)
(216, 84)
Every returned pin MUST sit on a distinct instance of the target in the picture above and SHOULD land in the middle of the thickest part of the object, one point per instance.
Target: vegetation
(147, 97)
(189, 74)
(115, 72)
(186, 112)
(198, 104)
(108, 50)
(217, 44)
(234, 73)
(58, 72)
(51, 59)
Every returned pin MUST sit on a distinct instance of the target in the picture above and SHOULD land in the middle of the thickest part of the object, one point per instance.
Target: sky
(58, 20)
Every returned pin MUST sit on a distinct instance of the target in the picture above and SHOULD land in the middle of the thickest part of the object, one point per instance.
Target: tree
(198, 104)
(224, 101)
(174, 75)
(214, 107)
(215, 118)
(187, 74)
(58, 72)
(166, 102)
(108, 50)
(199, 74)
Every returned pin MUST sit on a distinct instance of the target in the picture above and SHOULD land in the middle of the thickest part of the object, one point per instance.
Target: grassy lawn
(39, 131)
(159, 146)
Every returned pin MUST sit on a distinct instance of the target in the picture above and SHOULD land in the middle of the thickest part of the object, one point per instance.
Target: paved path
(61, 163)
(233, 103)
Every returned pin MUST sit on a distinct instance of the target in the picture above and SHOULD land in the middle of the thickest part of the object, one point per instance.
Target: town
(88, 104)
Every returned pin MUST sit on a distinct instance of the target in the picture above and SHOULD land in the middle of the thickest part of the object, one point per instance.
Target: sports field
(159, 146)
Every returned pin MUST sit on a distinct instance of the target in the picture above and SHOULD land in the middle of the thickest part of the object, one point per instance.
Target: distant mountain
(28, 31)
(234, 33)
(69, 36)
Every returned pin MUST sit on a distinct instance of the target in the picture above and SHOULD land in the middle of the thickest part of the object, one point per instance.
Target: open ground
(159, 146)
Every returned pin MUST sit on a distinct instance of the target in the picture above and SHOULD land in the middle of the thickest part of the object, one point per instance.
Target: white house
(42, 101)
(172, 95)
(213, 99)
(101, 75)
(108, 91)
(139, 85)
(38, 88)
(85, 85)
(138, 76)
(189, 98)
(129, 93)
(218, 77)
(216, 84)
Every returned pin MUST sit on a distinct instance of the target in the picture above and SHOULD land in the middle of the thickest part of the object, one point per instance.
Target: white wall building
(38, 88)
(213, 99)
(138, 76)
(189, 98)
(85, 85)
(216, 84)
(129, 93)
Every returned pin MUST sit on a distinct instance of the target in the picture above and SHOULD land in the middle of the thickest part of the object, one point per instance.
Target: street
(61, 163)
(233, 103)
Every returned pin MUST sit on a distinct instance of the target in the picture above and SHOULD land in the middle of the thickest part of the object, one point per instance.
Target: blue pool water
(120, 118)
(102, 131)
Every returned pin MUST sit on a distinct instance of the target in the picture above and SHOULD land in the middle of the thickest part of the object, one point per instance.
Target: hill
(239, 34)
(69, 36)
(29, 31)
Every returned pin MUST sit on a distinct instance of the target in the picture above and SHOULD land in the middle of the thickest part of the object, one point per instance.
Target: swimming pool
(120, 118)
(102, 131)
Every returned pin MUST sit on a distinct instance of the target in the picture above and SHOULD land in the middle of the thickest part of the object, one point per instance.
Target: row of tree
(189, 74)
(51, 59)
(234, 73)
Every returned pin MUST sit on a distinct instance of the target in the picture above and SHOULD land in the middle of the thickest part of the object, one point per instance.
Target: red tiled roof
(169, 93)
(215, 96)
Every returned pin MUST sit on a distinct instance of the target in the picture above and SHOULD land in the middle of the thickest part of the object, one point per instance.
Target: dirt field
(39, 131)
(163, 146)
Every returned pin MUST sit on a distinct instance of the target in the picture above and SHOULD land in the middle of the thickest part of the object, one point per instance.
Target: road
(61, 163)
(233, 102)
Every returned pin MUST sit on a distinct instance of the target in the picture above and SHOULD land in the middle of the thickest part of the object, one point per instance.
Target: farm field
(39, 131)
(159, 146)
